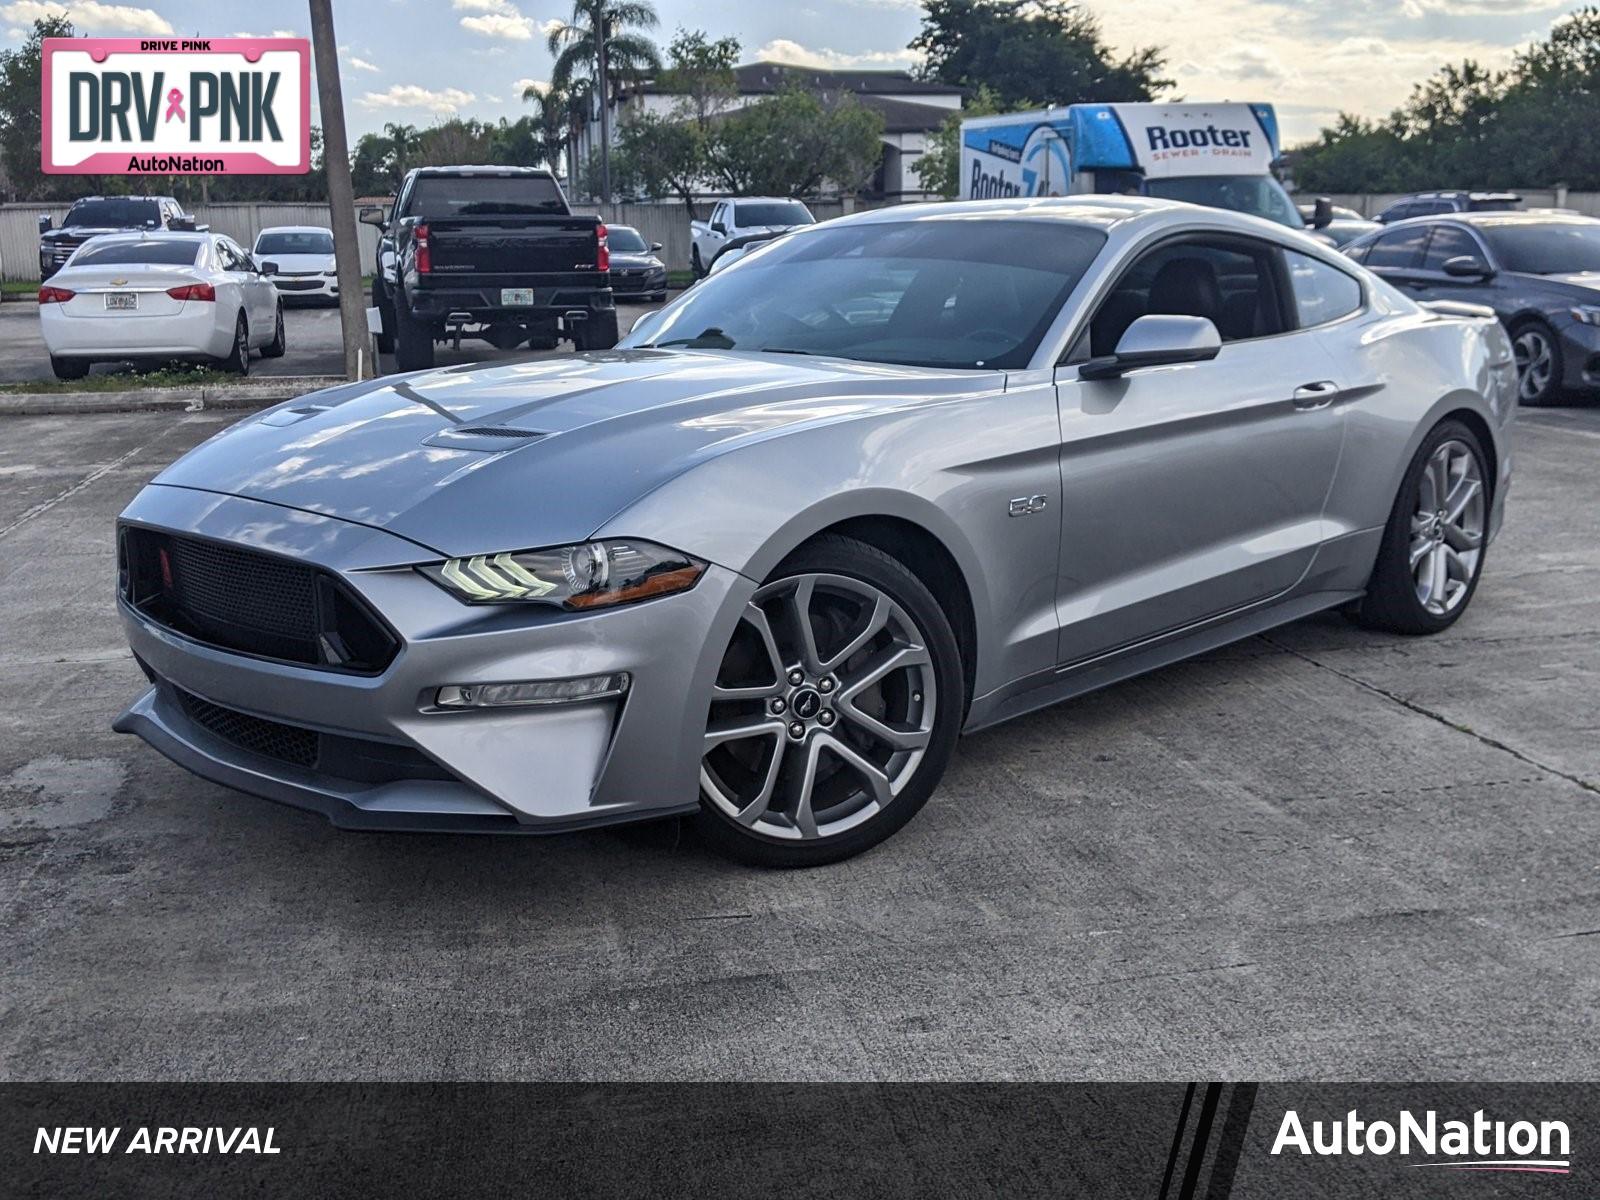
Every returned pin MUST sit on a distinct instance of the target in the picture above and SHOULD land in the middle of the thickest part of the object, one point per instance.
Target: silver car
(892, 478)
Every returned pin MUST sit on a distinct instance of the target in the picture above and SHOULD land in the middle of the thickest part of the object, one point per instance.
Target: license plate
(122, 300)
(520, 296)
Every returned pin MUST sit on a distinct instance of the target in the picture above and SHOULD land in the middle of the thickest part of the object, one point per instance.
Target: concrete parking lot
(1321, 853)
(313, 334)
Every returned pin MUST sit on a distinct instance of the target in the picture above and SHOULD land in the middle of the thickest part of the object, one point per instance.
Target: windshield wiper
(784, 350)
(711, 338)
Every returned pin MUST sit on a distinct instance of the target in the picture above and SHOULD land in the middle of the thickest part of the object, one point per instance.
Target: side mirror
(718, 227)
(269, 268)
(1157, 341)
(371, 214)
(45, 223)
(1322, 213)
(655, 247)
(1467, 266)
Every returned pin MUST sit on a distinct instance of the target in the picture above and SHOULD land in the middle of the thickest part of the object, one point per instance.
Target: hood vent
(490, 438)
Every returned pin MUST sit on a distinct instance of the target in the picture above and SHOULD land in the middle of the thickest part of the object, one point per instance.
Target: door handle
(1310, 396)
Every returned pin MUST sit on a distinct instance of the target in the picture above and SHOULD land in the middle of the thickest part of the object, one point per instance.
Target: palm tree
(552, 119)
(403, 139)
(600, 42)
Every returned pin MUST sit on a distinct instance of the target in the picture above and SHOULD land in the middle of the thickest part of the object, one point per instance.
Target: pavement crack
(1424, 711)
(1556, 937)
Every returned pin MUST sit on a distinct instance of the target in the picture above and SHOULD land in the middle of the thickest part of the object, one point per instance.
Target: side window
(1357, 251)
(1399, 212)
(228, 256)
(1448, 242)
(1401, 249)
(720, 213)
(1230, 283)
(1321, 293)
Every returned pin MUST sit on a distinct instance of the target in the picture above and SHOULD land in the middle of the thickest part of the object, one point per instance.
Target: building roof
(764, 78)
(905, 116)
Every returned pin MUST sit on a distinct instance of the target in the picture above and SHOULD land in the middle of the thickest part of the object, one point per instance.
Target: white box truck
(1219, 155)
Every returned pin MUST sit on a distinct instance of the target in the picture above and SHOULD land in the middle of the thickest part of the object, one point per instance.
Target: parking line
(45, 506)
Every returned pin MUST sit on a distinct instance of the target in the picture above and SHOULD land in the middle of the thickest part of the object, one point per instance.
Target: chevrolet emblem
(118, 282)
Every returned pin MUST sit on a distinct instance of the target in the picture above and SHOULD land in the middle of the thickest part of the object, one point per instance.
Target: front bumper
(1580, 355)
(307, 287)
(531, 770)
(197, 330)
(437, 303)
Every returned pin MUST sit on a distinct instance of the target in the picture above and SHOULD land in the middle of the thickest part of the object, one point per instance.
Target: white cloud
(522, 85)
(445, 102)
(512, 26)
(1477, 8)
(362, 64)
(276, 33)
(90, 16)
(487, 6)
(784, 50)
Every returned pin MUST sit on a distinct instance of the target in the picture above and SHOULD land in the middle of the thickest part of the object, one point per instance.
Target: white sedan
(156, 297)
(300, 260)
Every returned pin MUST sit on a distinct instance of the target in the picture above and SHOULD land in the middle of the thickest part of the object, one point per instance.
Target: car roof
(764, 200)
(1484, 220)
(1104, 212)
(296, 229)
(1456, 194)
(540, 172)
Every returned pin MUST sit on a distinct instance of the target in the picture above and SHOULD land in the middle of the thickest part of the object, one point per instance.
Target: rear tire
(1539, 364)
(1432, 553)
(413, 340)
(279, 343)
(237, 361)
(695, 263)
(831, 743)
(599, 332)
(69, 368)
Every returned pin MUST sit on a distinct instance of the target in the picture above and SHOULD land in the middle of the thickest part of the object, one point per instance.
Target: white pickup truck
(732, 219)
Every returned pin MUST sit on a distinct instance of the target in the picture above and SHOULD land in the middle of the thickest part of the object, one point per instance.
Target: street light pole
(341, 194)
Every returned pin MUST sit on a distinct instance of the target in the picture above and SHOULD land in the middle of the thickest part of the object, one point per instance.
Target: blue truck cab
(1219, 155)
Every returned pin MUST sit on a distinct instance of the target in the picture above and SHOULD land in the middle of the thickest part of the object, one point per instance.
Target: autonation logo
(1476, 1145)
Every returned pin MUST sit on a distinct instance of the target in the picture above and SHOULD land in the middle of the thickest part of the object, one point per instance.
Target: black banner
(1151, 1141)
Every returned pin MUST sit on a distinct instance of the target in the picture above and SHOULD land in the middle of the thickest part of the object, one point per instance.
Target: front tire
(695, 263)
(413, 340)
(380, 301)
(237, 360)
(598, 332)
(835, 711)
(1431, 556)
(1539, 365)
(279, 343)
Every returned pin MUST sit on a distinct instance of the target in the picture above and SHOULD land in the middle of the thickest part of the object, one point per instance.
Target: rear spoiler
(1458, 308)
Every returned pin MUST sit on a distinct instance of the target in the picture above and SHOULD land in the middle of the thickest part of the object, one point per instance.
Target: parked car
(1428, 204)
(769, 558)
(494, 250)
(301, 257)
(94, 215)
(733, 219)
(1539, 271)
(636, 272)
(156, 297)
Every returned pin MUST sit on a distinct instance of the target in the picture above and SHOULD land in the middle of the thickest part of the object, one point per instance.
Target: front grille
(270, 739)
(241, 599)
(298, 285)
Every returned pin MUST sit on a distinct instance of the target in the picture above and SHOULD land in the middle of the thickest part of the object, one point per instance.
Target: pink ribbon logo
(175, 105)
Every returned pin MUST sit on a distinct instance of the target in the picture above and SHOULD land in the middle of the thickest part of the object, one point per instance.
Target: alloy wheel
(822, 710)
(1535, 362)
(1447, 527)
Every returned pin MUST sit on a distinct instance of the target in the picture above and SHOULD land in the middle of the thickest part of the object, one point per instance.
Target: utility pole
(341, 194)
(602, 81)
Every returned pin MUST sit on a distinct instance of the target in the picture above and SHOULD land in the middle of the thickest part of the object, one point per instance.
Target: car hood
(634, 260)
(1576, 283)
(476, 460)
(79, 233)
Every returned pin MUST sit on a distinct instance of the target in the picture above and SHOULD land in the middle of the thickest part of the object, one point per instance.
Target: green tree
(403, 142)
(700, 72)
(939, 168)
(791, 143)
(660, 156)
(21, 125)
(1051, 51)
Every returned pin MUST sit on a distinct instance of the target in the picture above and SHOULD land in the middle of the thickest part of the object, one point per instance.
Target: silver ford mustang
(887, 479)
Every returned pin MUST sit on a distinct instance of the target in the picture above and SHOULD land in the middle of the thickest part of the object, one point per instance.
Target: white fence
(664, 223)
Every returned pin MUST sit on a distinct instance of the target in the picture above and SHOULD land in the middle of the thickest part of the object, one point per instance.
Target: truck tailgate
(511, 248)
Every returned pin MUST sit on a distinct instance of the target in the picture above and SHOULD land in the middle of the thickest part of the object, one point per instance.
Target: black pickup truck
(490, 252)
(95, 215)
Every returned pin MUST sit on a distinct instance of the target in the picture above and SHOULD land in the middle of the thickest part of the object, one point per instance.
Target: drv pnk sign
(168, 106)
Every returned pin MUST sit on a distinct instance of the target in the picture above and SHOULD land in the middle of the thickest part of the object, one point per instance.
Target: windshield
(628, 241)
(1554, 249)
(944, 293)
(782, 212)
(121, 213)
(166, 252)
(306, 242)
(479, 195)
(1258, 195)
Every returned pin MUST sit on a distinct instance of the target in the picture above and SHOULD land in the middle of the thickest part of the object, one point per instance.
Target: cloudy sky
(419, 60)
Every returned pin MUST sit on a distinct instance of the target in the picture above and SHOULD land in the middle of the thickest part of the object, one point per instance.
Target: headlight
(591, 575)
(1587, 314)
